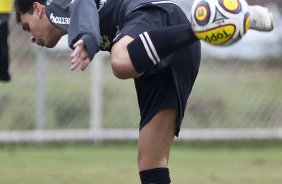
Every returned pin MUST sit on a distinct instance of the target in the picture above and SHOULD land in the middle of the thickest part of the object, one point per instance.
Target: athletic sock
(155, 176)
(152, 46)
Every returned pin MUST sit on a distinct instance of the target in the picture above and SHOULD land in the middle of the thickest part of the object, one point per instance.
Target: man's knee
(120, 61)
(118, 65)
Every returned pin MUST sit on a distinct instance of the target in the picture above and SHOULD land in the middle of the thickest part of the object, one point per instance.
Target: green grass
(193, 163)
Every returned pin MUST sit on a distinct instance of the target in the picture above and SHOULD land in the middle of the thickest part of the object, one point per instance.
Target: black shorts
(168, 84)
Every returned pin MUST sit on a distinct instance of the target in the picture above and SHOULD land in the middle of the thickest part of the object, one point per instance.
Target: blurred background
(231, 131)
(237, 93)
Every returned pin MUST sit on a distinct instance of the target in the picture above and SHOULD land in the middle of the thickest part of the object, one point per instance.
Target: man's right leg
(132, 57)
(152, 46)
(148, 36)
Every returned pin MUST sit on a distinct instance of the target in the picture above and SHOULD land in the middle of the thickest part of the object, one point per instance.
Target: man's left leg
(155, 141)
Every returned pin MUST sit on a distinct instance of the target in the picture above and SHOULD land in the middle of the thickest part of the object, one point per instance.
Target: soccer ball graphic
(220, 22)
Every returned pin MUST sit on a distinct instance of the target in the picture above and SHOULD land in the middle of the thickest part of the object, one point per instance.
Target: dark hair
(25, 6)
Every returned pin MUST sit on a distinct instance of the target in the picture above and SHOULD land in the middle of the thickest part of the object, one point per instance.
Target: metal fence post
(40, 90)
(96, 98)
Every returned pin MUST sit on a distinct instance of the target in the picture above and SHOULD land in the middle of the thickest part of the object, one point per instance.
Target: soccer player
(151, 41)
(5, 10)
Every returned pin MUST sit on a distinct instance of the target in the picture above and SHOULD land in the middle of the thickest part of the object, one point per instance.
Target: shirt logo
(105, 42)
(59, 20)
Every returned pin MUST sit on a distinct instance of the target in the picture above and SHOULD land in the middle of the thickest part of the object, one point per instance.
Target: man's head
(32, 16)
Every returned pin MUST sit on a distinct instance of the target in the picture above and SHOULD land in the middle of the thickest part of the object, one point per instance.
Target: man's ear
(38, 9)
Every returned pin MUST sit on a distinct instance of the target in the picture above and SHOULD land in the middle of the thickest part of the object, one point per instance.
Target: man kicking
(150, 41)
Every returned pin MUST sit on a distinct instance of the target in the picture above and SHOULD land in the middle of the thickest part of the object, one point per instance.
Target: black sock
(155, 176)
(152, 46)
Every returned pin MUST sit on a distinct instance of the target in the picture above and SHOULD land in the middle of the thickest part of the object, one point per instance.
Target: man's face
(41, 31)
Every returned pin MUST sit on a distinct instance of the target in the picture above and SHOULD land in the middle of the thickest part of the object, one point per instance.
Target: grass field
(193, 163)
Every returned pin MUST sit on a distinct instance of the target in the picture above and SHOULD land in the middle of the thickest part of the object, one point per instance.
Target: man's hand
(79, 57)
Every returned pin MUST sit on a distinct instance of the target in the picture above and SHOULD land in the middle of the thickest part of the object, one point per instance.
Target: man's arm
(84, 32)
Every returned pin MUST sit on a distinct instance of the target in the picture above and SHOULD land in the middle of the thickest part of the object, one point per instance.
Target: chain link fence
(237, 94)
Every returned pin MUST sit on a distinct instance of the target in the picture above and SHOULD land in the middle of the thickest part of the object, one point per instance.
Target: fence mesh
(232, 91)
